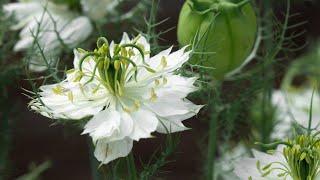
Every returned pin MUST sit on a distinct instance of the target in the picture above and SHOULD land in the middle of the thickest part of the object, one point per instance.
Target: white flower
(54, 25)
(296, 160)
(128, 93)
(294, 107)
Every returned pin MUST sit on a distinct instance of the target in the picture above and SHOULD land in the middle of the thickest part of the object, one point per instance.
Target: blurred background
(35, 139)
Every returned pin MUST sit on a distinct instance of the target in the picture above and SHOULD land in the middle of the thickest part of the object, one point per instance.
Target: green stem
(213, 134)
(267, 75)
(310, 113)
(242, 3)
(131, 167)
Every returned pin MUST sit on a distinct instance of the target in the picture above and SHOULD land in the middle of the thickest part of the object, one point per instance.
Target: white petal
(143, 42)
(34, 18)
(145, 122)
(173, 123)
(77, 56)
(22, 12)
(164, 63)
(181, 86)
(108, 151)
(105, 124)
(83, 103)
(88, 64)
(126, 126)
(171, 105)
(23, 44)
(246, 168)
(170, 126)
(76, 31)
(155, 61)
(125, 38)
(177, 58)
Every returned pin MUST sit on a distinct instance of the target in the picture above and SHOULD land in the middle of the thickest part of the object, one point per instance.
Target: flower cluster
(126, 93)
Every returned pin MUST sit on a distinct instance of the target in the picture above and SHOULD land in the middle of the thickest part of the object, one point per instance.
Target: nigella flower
(297, 159)
(55, 27)
(293, 106)
(126, 93)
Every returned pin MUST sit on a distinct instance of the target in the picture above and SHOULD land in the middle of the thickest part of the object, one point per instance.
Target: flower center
(302, 155)
(116, 67)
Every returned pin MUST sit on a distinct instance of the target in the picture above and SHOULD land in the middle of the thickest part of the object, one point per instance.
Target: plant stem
(214, 105)
(310, 113)
(242, 3)
(131, 167)
(267, 75)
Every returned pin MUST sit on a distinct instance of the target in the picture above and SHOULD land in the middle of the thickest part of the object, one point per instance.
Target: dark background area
(35, 140)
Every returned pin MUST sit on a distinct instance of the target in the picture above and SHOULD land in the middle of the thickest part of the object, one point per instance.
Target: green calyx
(302, 155)
(113, 69)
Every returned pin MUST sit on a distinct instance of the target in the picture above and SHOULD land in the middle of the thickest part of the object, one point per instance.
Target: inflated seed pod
(223, 32)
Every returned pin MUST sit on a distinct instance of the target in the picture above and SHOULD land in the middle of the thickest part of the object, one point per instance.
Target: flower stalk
(212, 140)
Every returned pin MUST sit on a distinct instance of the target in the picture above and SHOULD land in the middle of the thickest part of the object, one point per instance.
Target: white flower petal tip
(146, 95)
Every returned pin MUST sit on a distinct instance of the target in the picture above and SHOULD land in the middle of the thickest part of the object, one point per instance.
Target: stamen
(157, 82)
(137, 104)
(70, 96)
(164, 62)
(119, 88)
(153, 95)
(58, 90)
(127, 110)
(124, 52)
(165, 80)
(116, 65)
(70, 71)
(131, 53)
(78, 76)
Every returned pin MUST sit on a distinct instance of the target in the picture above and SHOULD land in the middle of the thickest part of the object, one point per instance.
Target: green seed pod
(223, 31)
